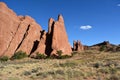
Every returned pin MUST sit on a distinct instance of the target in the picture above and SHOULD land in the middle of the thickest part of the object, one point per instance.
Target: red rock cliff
(23, 33)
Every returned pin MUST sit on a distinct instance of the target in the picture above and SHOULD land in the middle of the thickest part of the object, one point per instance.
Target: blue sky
(90, 21)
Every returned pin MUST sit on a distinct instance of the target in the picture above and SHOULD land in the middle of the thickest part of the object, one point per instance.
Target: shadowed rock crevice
(48, 41)
(35, 46)
(42, 33)
(26, 33)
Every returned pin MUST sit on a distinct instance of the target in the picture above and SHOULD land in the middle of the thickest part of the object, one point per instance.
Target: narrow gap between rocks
(48, 43)
(35, 46)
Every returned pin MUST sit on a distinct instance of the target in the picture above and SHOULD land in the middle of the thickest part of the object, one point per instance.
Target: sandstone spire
(50, 24)
(59, 38)
(60, 18)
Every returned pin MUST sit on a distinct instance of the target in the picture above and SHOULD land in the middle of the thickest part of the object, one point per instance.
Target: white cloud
(86, 27)
(118, 5)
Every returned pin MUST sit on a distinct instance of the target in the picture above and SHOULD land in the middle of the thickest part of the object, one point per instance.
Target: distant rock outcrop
(23, 33)
(104, 46)
(77, 46)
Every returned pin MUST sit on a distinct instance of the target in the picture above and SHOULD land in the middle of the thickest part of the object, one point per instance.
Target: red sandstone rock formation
(59, 38)
(16, 33)
(42, 44)
(23, 33)
(77, 46)
(8, 19)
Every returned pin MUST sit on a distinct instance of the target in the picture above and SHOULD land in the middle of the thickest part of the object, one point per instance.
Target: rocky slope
(104, 46)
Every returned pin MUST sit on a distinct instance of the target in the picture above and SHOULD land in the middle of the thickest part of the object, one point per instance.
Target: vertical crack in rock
(26, 33)
(42, 33)
(11, 39)
(35, 46)
(36, 43)
(48, 43)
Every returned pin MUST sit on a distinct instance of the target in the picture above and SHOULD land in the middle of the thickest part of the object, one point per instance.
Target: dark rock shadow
(34, 46)
(48, 41)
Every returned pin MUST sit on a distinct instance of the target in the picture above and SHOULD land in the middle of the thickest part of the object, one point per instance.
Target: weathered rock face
(23, 33)
(59, 38)
(55, 39)
(8, 19)
(42, 43)
(77, 46)
(16, 33)
(31, 37)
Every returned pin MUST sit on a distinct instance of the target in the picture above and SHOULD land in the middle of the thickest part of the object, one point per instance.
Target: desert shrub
(108, 70)
(65, 56)
(113, 70)
(68, 64)
(34, 70)
(111, 63)
(42, 74)
(59, 52)
(4, 58)
(40, 56)
(27, 73)
(96, 65)
(113, 77)
(74, 53)
(104, 70)
(60, 56)
(103, 48)
(60, 72)
(51, 56)
(19, 55)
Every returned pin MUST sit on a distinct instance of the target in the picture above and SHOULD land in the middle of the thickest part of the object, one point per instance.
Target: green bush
(40, 56)
(60, 56)
(4, 58)
(27, 73)
(65, 56)
(68, 64)
(19, 55)
(59, 52)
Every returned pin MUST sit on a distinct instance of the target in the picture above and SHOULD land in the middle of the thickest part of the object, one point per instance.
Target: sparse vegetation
(40, 56)
(103, 48)
(19, 55)
(61, 56)
(27, 73)
(87, 65)
(59, 53)
(4, 58)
